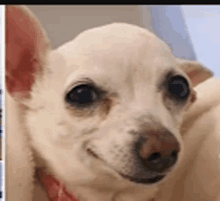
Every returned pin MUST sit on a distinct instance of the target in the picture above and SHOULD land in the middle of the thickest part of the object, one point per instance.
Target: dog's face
(105, 108)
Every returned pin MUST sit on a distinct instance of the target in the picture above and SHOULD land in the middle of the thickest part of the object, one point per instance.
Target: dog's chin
(146, 181)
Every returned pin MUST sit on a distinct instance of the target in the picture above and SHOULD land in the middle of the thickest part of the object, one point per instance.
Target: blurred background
(192, 32)
(203, 25)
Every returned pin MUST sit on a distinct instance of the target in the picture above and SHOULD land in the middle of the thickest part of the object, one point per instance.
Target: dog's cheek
(56, 144)
(63, 136)
(46, 131)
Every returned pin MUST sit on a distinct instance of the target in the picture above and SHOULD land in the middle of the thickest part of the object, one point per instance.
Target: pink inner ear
(193, 76)
(24, 43)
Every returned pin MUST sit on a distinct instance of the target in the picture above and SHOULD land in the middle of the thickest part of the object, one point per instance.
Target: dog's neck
(56, 190)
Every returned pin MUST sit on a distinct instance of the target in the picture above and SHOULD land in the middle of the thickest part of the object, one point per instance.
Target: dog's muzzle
(155, 154)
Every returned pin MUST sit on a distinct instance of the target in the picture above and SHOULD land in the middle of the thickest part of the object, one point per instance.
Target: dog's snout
(159, 151)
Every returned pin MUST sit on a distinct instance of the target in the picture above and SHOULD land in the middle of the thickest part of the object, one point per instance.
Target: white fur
(125, 60)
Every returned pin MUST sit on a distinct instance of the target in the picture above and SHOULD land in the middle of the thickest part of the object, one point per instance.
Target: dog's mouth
(144, 181)
(136, 180)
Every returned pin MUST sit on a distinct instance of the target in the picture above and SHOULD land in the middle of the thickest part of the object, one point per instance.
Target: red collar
(56, 191)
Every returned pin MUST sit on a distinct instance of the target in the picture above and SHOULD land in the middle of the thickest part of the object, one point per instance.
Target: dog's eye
(178, 87)
(82, 95)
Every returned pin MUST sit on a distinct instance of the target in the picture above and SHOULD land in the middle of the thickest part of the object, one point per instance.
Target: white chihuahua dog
(102, 113)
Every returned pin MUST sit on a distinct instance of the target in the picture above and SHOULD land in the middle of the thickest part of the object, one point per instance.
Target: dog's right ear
(197, 72)
(27, 46)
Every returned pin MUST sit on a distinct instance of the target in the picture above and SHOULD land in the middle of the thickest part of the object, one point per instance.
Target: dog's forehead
(117, 48)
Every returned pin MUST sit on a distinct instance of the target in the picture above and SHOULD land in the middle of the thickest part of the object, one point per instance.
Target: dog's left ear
(195, 71)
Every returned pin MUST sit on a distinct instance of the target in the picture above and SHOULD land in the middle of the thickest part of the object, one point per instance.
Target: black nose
(158, 151)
